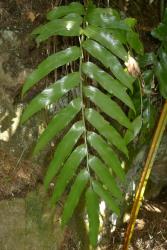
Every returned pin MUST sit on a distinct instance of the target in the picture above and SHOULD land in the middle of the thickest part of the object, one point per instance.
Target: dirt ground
(23, 16)
(151, 227)
(150, 230)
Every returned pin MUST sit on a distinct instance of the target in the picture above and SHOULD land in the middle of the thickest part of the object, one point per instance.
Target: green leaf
(118, 35)
(74, 196)
(107, 154)
(107, 40)
(131, 134)
(105, 176)
(106, 196)
(160, 32)
(73, 17)
(105, 129)
(68, 172)
(92, 10)
(108, 106)
(106, 18)
(134, 41)
(108, 83)
(92, 205)
(51, 94)
(49, 64)
(148, 78)
(163, 58)
(147, 59)
(131, 22)
(61, 11)
(165, 16)
(57, 27)
(59, 121)
(161, 74)
(63, 149)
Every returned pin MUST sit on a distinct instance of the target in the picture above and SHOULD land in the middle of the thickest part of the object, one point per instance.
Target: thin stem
(141, 97)
(83, 109)
(87, 2)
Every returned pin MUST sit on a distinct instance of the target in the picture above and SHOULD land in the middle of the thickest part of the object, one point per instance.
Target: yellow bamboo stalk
(145, 174)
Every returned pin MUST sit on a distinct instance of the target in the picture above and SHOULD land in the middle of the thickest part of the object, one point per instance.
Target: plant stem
(141, 97)
(83, 111)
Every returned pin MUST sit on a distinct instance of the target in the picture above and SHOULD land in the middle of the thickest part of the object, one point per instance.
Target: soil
(149, 233)
(150, 229)
(22, 16)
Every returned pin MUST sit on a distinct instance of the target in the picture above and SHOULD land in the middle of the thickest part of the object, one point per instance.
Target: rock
(12, 76)
(27, 224)
(26, 221)
(158, 177)
(159, 170)
(17, 176)
(15, 139)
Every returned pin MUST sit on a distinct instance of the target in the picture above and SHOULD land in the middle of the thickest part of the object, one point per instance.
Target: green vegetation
(108, 112)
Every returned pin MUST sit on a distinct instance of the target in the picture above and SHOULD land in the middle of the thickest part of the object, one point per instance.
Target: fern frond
(88, 153)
